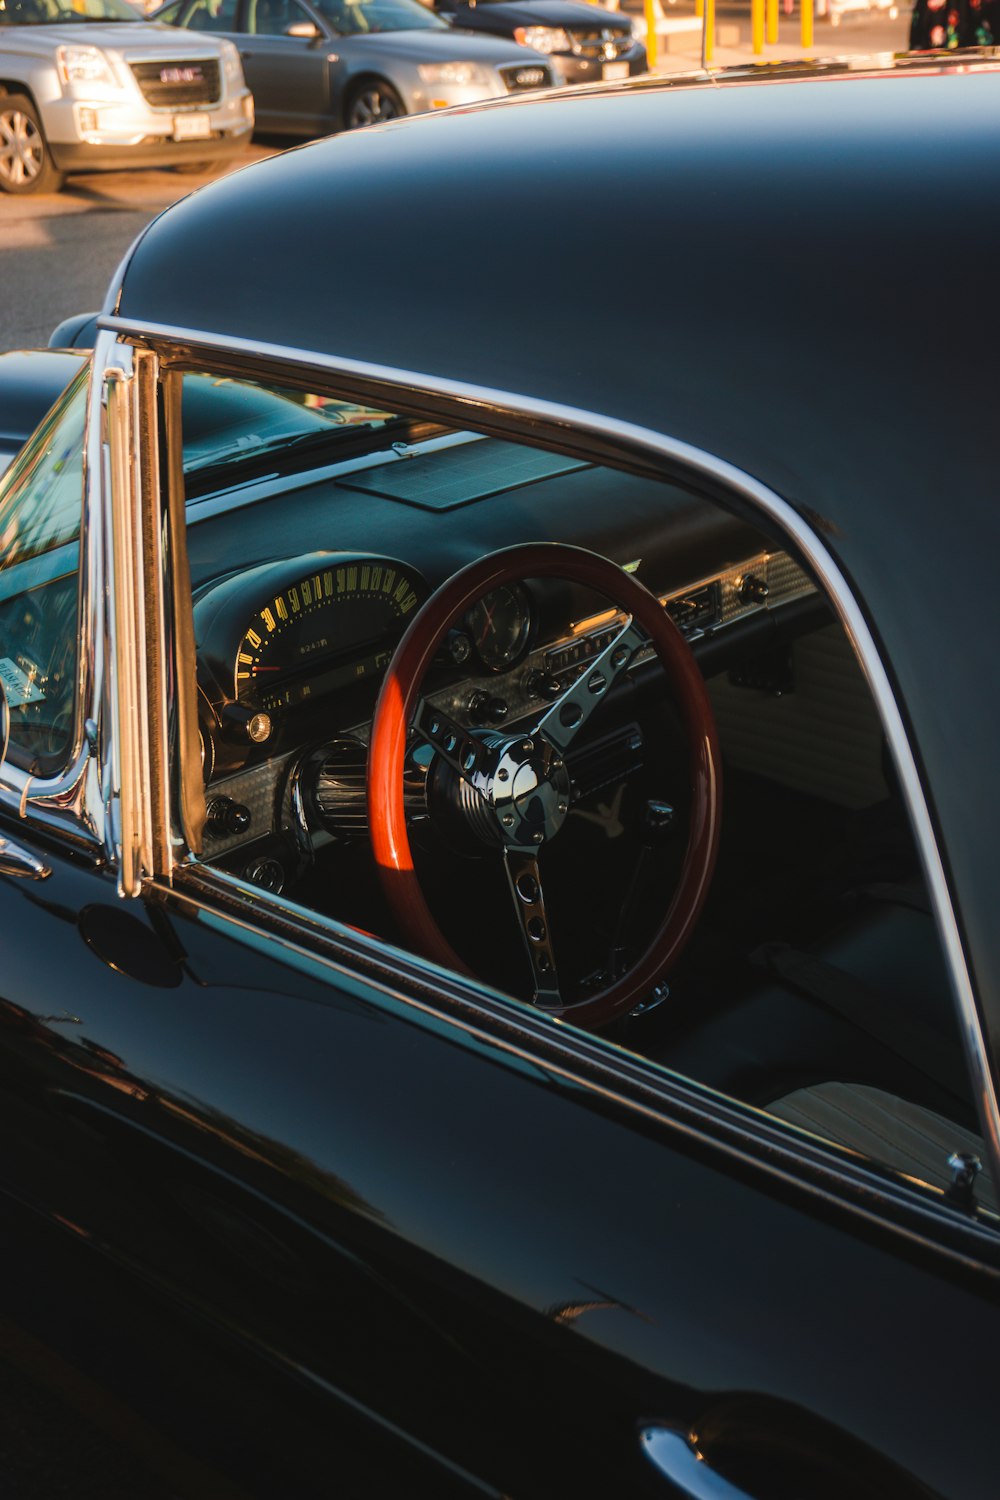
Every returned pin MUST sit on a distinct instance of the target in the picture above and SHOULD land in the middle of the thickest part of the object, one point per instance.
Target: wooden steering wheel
(516, 787)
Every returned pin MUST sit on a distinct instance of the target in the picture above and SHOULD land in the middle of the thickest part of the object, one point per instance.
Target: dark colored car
(584, 42)
(316, 66)
(497, 827)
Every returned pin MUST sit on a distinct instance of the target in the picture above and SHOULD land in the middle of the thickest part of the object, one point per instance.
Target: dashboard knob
(268, 873)
(457, 648)
(227, 818)
(753, 589)
(482, 709)
(544, 685)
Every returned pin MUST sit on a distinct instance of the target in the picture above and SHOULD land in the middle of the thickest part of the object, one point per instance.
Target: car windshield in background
(357, 17)
(52, 13)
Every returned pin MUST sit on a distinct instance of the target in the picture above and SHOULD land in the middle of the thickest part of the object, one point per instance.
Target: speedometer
(324, 622)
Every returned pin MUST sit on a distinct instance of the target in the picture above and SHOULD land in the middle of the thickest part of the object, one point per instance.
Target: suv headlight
(83, 65)
(461, 73)
(543, 38)
(232, 67)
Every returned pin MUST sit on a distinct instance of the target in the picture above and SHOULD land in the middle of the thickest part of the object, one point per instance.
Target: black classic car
(497, 887)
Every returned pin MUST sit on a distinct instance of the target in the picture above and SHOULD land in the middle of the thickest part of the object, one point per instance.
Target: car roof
(789, 274)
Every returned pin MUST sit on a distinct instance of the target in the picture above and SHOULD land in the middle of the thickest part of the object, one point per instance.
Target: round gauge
(324, 629)
(499, 626)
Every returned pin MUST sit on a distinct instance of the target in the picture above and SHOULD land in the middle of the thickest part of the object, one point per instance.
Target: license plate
(615, 70)
(191, 127)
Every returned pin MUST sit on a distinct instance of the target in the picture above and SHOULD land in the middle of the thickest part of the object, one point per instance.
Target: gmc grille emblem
(181, 75)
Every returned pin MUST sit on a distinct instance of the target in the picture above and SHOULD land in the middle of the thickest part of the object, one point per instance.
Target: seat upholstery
(855, 1039)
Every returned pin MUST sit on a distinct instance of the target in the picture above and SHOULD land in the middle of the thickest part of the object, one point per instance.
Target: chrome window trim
(716, 471)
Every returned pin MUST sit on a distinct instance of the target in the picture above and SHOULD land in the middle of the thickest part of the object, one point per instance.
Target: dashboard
(292, 652)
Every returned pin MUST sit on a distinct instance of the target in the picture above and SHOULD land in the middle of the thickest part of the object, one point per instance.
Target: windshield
(354, 17)
(227, 421)
(55, 13)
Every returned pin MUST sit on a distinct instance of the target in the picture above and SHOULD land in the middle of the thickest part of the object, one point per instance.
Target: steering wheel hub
(521, 801)
(530, 792)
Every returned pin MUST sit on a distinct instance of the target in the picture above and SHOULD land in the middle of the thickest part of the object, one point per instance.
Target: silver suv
(87, 85)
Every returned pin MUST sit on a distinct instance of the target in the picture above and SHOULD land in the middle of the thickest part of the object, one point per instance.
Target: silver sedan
(315, 66)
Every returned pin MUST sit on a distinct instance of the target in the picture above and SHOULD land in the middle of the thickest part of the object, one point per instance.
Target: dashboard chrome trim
(717, 473)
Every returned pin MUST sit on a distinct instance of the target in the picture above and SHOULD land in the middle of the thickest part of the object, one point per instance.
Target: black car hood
(546, 13)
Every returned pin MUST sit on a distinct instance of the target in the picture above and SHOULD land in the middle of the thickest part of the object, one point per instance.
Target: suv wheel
(25, 162)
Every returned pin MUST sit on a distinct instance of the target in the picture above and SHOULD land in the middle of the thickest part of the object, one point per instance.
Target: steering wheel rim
(399, 699)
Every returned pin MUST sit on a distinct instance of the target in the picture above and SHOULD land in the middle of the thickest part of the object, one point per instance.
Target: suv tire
(26, 164)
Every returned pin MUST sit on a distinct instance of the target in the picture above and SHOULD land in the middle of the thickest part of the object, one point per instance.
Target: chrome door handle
(17, 861)
(677, 1458)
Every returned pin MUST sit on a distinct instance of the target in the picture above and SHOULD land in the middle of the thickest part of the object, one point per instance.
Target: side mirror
(307, 30)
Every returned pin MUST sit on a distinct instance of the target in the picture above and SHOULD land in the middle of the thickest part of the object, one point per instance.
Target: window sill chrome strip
(558, 1053)
(695, 462)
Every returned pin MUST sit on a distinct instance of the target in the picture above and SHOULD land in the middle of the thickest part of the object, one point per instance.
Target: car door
(288, 74)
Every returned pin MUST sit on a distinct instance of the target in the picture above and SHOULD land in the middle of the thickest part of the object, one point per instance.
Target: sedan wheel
(373, 103)
(25, 163)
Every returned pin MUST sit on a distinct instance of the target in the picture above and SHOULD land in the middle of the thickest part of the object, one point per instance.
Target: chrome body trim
(127, 832)
(717, 472)
(21, 862)
(825, 1173)
(677, 1458)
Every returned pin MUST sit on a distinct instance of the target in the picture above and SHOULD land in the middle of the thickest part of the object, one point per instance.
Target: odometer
(331, 622)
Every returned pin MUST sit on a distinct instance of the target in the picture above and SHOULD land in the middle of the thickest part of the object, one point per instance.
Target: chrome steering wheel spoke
(568, 714)
(470, 759)
(525, 884)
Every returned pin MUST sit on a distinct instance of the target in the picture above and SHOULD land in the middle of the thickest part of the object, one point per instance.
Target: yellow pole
(772, 22)
(807, 25)
(650, 9)
(757, 25)
(708, 33)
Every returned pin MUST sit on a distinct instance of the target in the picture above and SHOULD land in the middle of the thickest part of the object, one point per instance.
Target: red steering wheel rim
(397, 702)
